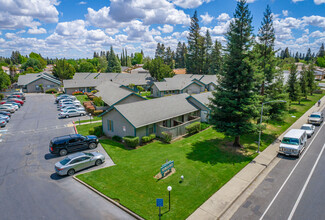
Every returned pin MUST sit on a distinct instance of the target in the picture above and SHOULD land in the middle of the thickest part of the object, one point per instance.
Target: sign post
(159, 203)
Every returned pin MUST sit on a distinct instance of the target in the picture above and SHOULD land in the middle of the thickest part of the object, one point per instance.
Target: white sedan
(310, 129)
(71, 113)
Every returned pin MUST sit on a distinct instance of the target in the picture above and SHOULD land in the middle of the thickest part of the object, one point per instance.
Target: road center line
(305, 186)
(294, 168)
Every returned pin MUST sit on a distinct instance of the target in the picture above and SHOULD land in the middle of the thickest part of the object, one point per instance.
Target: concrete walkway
(221, 201)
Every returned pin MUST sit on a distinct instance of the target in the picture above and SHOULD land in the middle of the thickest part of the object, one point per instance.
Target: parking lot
(29, 187)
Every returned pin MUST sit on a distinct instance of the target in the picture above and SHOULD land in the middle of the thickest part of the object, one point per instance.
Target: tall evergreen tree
(178, 56)
(216, 59)
(114, 66)
(195, 42)
(234, 102)
(308, 55)
(297, 57)
(160, 51)
(311, 79)
(293, 87)
(286, 53)
(266, 52)
(321, 52)
(207, 64)
(184, 55)
(303, 82)
(169, 58)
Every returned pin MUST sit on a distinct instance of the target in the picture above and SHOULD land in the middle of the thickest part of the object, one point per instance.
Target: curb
(75, 128)
(109, 199)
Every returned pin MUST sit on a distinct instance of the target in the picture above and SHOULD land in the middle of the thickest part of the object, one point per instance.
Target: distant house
(114, 94)
(83, 85)
(6, 70)
(139, 71)
(35, 81)
(202, 102)
(168, 114)
(173, 86)
(179, 71)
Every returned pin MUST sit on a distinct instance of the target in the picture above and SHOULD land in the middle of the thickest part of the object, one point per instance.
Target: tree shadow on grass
(211, 152)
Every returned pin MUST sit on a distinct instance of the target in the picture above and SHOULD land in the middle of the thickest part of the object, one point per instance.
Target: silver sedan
(78, 161)
(71, 113)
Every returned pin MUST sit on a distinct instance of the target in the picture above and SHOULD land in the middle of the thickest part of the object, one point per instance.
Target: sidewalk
(221, 201)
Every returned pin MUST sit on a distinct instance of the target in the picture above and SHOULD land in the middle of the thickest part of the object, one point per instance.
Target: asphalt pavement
(293, 189)
(29, 187)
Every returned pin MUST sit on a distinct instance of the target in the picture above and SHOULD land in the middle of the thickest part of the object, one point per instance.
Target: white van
(293, 142)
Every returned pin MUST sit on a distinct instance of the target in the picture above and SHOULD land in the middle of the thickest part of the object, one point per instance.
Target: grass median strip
(205, 159)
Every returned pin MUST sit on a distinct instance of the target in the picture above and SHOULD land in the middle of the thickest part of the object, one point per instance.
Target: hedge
(117, 138)
(1, 96)
(131, 141)
(78, 93)
(94, 91)
(98, 112)
(152, 136)
(98, 131)
(193, 128)
(204, 126)
(49, 91)
(146, 139)
(167, 136)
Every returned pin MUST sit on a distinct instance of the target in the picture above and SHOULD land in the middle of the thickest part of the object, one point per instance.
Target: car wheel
(92, 146)
(71, 172)
(63, 152)
(81, 114)
(98, 162)
(67, 116)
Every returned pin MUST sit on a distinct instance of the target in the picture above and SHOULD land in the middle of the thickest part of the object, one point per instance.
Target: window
(73, 140)
(110, 125)
(76, 161)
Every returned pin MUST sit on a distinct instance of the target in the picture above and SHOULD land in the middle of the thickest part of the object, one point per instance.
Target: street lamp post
(90, 117)
(260, 132)
(169, 188)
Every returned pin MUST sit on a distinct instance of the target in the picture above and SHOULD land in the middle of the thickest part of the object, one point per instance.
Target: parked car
(64, 96)
(3, 123)
(73, 142)
(316, 118)
(16, 100)
(293, 142)
(11, 106)
(5, 113)
(71, 113)
(16, 96)
(7, 109)
(68, 104)
(13, 102)
(19, 95)
(69, 101)
(74, 107)
(78, 161)
(5, 117)
(310, 129)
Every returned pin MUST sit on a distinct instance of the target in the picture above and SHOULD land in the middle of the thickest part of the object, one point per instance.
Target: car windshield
(305, 128)
(293, 141)
(89, 154)
(315, 116)
(65, 161)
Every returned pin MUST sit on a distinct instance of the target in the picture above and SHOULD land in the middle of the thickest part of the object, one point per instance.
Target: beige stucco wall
(32, 86)
(118, 122)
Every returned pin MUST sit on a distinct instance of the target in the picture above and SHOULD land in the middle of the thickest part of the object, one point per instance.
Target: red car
(15, 100)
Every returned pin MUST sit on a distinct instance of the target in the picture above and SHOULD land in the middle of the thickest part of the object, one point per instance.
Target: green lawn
(83, 129)
(94, 118)
(204, 159)
(148, 93)
(82, 98)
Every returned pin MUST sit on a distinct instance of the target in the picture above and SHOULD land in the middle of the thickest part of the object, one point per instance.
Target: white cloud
(0, 33)
(82, 3)
(318, 2)
(206, 18)
(189, 3)
(295, 1)
(20, 32)
(223, 17)
(314, 20)
(73, 28)
(2, 40)
(166, 28)
(317, 34)
(285, 13)
(37, 31)
(10, 35)
(138, 32)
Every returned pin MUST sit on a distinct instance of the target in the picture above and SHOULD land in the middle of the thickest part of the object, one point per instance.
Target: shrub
(152, 136)
(49, 91)
(193, 128)
(145, 139)
(1, 96)
(131, 141)
(167, 136)
(98, 101)
(78, 93)
(204, 126)
(98, 131)
(94, 91)
(117, 138)
(318, 91)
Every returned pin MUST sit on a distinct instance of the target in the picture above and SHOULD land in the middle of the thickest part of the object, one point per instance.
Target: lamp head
(169, 188)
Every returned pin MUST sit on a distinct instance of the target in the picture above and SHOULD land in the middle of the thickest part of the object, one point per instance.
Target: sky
(75, 29)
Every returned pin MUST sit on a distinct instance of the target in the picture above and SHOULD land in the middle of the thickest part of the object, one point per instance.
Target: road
(293, 189)
(29, 188)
